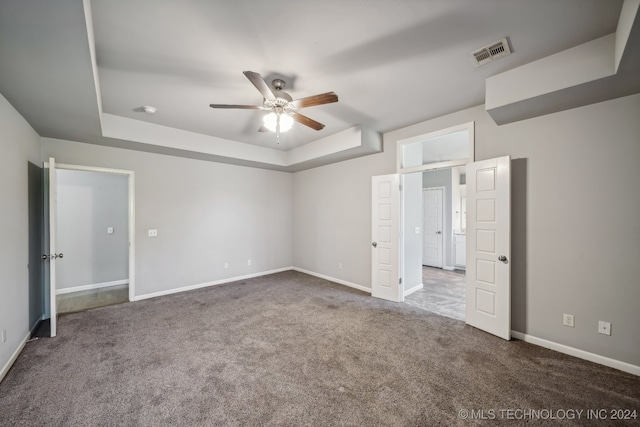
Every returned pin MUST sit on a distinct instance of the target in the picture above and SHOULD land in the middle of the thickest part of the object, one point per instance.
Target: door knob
(45, 256)
(374, 244)
(502, 258)
(60, 255)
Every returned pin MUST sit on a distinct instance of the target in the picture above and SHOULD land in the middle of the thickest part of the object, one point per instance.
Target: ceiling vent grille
(491, 52)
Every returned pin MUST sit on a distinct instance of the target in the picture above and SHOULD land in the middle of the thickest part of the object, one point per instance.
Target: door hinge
(400, 281)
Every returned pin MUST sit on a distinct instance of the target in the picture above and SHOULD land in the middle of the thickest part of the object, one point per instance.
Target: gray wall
(442, 178)
(89, 203)
(575, 210)
(19, 145)
(206, 214)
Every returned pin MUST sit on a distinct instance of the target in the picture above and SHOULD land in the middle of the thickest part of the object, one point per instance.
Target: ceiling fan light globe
(271, 122)
(286, 122)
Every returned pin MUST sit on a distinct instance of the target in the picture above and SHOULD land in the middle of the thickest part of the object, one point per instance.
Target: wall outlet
(109, 230)
(416, 230)
(604, 328)
(340, 265)
(249, 262)
(567, 320)
(226, 265)
(4, 336)
(153, 233)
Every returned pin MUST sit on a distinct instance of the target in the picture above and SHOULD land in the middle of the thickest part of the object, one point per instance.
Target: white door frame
(441, 218)
(131, 212)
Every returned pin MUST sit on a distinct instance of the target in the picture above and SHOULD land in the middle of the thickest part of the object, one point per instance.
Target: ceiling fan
(282, 108)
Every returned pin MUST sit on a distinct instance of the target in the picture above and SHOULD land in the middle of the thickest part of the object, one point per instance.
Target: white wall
(19, 144)
(575, 210)
(206, 214)
(88, 203)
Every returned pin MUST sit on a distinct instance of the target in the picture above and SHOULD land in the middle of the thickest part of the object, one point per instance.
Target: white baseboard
(581, 354)
(412, 290)
(92, 286)
(448, 267)
(207, 284)
(333, 279)
(13, 358)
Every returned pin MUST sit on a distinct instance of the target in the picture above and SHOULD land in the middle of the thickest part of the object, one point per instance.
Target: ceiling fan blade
(307, 121)
(263, 128)
(244, 107)
(260, 84)
(310, 101)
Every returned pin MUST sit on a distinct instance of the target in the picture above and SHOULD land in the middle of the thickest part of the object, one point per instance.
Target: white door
(53, 256)
(432, 220)
(385, 251)
(489, 246)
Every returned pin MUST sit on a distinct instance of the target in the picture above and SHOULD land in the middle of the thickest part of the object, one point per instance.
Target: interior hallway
(443, 293)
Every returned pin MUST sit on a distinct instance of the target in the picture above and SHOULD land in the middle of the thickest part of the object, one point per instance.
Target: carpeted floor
(291, 349)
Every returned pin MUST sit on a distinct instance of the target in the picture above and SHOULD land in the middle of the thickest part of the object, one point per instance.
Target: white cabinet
(461, 250)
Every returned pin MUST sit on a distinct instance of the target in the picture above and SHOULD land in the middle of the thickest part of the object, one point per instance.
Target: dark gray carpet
(290, 349)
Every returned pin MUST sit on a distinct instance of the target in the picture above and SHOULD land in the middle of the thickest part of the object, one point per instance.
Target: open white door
(385, 251)
(432, 225)
(53, 255)
(489, 246)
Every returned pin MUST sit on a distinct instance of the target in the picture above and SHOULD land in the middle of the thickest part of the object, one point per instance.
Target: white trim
(333, 279)
(414, 289)
(92, 286)
(131, 212)
(207, 284)
(13, 357)
(575, 352)
(448, 268)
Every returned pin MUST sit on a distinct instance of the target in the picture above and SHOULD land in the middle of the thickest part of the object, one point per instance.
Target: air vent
(491, 52)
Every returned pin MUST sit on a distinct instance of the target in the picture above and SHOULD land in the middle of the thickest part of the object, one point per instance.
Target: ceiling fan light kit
(281, 106)
(274, 120)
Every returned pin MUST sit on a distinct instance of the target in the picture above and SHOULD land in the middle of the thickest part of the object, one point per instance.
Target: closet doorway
(90, 231)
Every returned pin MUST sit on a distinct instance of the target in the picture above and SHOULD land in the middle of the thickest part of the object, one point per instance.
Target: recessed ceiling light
(149, 110)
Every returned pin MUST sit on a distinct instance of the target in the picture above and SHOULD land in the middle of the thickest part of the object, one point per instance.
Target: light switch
(109, 230)
(417, 230)
(153, 233)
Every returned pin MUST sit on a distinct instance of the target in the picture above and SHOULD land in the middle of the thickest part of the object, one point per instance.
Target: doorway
(36, 247)
(90, 232)
(443, 265)
(93, 235)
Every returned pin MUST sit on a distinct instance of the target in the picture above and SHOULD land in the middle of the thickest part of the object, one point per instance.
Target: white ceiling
(392, 63)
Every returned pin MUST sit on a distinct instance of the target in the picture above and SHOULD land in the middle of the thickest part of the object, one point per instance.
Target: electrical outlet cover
(567, 320)
(604, 328)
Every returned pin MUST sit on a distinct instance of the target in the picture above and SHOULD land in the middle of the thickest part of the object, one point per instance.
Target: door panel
(489, 246)
(432, 211)
(53, 255)
(385, 253)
